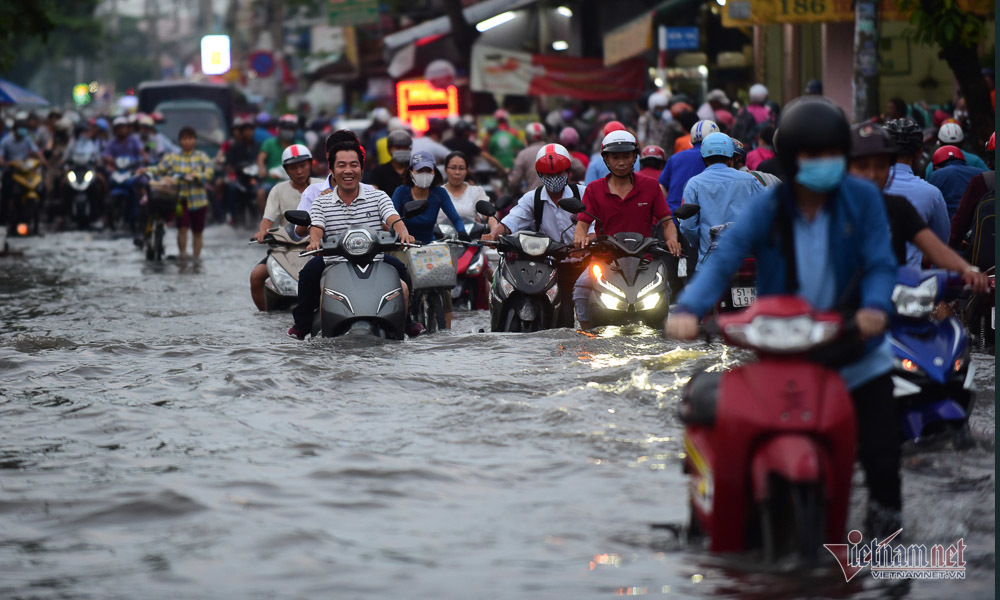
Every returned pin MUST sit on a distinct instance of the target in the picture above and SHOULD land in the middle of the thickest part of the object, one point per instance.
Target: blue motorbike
(933, 374)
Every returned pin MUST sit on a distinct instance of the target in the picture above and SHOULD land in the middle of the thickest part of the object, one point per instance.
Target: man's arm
(937, 220)
(962, 220)
(315, 238)
(516, 176)
(261, 166)
(946, 258)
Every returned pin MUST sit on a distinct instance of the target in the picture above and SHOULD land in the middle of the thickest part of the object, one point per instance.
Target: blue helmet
(717, 144)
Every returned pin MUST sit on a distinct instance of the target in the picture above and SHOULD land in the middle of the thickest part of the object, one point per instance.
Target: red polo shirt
(645, 204)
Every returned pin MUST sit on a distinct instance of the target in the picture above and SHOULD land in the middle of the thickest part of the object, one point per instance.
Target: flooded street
(160, 439)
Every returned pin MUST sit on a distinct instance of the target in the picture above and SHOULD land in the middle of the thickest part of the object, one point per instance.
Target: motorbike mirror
(504, 201)
(414, 208)
(299, 217)
(686, 211)
(572, 205)
(484, 207)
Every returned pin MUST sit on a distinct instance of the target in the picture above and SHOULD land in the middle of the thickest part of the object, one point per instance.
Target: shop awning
(442, 26)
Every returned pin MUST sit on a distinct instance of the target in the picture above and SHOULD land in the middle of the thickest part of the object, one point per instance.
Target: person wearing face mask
(270, 156)
(537, 211)
(652, 125)
(821, 236)
(389, 176)
(423, 182)
(15, 147)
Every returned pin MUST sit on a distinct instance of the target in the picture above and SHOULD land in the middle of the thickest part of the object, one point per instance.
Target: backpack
(540, 204)
(982, 247)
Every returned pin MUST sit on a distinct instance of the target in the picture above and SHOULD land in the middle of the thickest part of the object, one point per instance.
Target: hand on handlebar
(406, 238)
(259, 236)
(681, 326)
(871, 322)
(674, 247)
(314, 246)
(980, 282)
(579, 238)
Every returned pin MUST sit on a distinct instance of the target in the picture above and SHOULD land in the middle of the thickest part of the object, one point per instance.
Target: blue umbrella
(15, 94)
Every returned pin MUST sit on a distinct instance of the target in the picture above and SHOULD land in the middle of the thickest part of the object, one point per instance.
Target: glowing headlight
(282, 280)
(614, 289)
(610, 301)
(357, 243)
(649, 301)
(87, 176)
(651, 285)
(907, 365)
(477, 266)
(533, 245)
(915, 302)
(783, 335)
(71, 176)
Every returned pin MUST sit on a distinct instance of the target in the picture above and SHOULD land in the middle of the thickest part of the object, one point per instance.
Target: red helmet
(288, 121)
(653, 152)
(946, 153)
(534, 132)
(552, 159)
(613, 126)
(991, 145)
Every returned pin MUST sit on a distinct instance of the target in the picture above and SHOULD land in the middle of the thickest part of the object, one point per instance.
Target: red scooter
(770, 445)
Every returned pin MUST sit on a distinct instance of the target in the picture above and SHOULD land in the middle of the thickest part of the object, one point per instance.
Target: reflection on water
(158, 439)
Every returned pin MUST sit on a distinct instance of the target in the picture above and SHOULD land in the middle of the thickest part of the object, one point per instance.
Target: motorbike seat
(700, 399)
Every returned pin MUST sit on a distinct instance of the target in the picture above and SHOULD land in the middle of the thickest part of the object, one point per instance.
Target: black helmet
(810, 123)
(907, 134)
(869, 139)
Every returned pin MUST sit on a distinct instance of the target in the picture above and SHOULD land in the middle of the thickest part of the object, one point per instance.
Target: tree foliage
(39, 30)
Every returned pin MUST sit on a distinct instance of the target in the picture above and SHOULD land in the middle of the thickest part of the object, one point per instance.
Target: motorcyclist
(269, 156)
(979, 188)
(336, 210)
(872, 155)
(123, 144)
(297, 162)
(523, 176)
(502, 143)
(651, 161)
(951, 175)
(243, 151)
(740, 164)
(155, 143)
(652, 125)
(552, 165)
(389, 176)
(720, 190)
(597, 168)
(685, 164)
(926, 198)
(14, 147)
(624, 202)
(462, 142)
(951, 134)
(822, 236)
(569, 137)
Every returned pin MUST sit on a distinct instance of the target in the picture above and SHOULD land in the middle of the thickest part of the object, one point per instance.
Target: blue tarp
(15, 94)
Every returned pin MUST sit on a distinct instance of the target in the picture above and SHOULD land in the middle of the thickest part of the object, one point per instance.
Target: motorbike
(933, 376)
(122, 195)
(524, 296)
(243, 194)
(24, 211)
(471, 287)
(361, 294)
(281, 288)
(978, 315)
(770, 444)
(160, 207)
(80, 189)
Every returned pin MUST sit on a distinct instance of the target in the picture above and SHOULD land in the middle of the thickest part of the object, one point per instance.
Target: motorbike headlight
(282, 280)
(915, 302)
(357, 243)
(905, 364)
(782, 334)
(651, 285)
(533, 245)
(477, 266)
(87, 176)
(610, 302)
(71, 176)
(649, 301)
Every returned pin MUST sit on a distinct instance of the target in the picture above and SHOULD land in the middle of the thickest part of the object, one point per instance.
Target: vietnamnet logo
(888, 561)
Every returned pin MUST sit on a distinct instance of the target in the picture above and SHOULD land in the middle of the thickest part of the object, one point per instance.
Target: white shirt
(465, 204)
(283, 197)
(556, 223)
(310, 193)
(368, 211)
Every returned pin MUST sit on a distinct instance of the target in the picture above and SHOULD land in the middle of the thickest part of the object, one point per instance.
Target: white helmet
(658, 99)
(619, 141)
(702, 129)
(295, 153)
(534, 132)
(396, 124)
(758, 93)
(381, 114)
(119, 121)
(951, 133)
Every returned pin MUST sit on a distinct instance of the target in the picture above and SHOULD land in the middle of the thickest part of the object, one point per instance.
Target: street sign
(352, 12)
(418, 101)
(262, 63)
(682, 38)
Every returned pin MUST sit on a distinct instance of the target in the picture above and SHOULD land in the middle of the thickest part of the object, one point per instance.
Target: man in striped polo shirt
(345, 206)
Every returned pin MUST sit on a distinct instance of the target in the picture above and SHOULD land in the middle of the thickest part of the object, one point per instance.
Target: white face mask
(423, 180)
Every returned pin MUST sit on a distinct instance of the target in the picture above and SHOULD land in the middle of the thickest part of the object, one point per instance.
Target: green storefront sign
(352, 12)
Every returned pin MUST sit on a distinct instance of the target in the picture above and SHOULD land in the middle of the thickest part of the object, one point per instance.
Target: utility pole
(866, 104)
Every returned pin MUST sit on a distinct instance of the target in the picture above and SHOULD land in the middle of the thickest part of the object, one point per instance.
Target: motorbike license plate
(682, 267)
(743, 296)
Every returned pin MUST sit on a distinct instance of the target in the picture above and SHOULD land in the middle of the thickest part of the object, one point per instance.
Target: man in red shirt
(621, 202)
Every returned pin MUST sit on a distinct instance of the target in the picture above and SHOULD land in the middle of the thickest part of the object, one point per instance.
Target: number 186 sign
(741, 13)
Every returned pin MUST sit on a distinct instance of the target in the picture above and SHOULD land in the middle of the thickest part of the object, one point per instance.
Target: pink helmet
(569, 137)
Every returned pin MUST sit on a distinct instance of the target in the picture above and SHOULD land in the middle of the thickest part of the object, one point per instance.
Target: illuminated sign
(215, 58)
(418, 101)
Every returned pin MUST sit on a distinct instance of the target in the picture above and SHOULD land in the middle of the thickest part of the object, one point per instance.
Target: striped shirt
(179, 166)
(368, 211)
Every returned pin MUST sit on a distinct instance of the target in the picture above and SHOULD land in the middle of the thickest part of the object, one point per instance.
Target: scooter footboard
(795, 458)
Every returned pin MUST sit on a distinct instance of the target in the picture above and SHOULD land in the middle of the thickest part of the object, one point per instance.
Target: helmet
(22, 115)
(946, 153)
(534, 132)
(658, 99)
(158, 116)
(652, 153)
(907, 135)
(552, 159)
(396, 124)
(619, 141)
(815, 86)
(119, 121)
(702, 129)
(65, 124)
(810, 123)
(102, 124)
(569, 137)
(146, 121)
(263, 118)
(951, 133)
(758, 93)
(717, 144)
(717, 95)
(288, 121)
(991, 145)
(381, 115)
(738, 148)
(295, 153)
(870, 139)
(398, 139)
(501, 115)
(613, 126)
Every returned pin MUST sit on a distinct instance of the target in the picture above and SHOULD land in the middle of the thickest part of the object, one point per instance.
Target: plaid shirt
(179, 166)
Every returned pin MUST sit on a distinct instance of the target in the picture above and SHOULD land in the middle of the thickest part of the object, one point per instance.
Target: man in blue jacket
(825, 237)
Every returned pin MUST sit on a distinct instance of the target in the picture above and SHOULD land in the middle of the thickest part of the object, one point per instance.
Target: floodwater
(160, 439)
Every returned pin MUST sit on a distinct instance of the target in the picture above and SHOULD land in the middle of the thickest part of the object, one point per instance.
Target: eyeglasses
(457, 168)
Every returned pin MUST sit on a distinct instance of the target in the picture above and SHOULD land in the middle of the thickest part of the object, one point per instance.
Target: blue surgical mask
(821, 174)
(22, 131)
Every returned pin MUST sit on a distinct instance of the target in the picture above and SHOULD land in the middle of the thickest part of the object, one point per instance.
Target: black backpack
(540, 204)
(982, 247)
